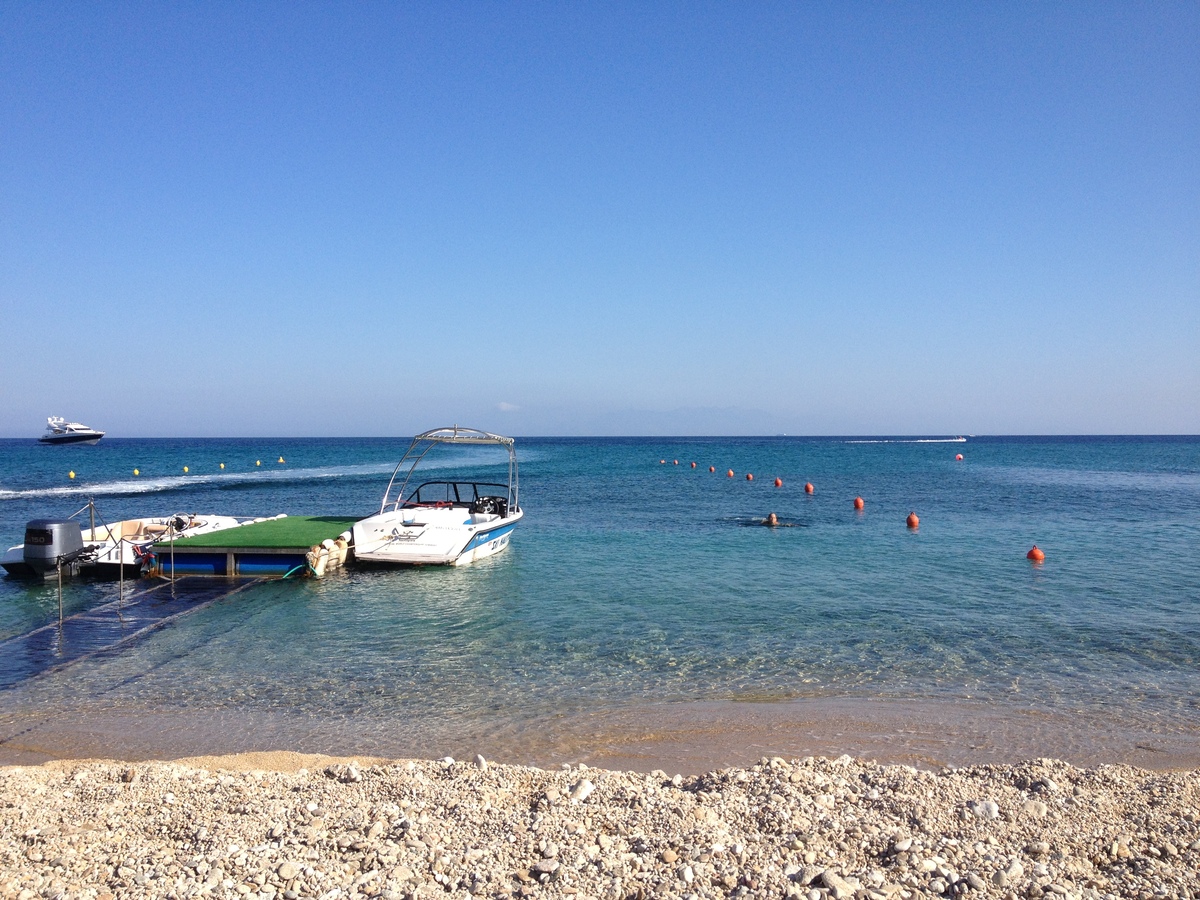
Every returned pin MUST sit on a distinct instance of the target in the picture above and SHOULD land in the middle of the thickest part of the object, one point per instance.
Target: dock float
(271, 548)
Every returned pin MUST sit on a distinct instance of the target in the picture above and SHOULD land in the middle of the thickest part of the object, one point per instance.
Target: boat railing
(421, 446)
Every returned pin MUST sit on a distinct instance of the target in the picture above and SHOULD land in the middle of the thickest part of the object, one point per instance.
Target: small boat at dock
(102, 550)
(441, 523)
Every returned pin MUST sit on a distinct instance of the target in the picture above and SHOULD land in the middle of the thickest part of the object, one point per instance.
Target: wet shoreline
(686, 737)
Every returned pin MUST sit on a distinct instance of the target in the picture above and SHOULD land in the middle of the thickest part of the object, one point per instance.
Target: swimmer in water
(771, 520)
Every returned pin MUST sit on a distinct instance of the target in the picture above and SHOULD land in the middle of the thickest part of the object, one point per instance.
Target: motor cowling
(49, 542)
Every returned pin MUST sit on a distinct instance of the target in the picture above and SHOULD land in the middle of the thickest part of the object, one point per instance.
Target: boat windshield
(454, 493)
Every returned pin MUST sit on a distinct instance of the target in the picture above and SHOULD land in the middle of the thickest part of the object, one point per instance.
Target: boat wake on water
(169, 483)
(953, 440)
(226, 480)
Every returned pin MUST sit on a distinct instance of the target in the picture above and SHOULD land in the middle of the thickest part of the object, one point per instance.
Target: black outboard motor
(51, 542)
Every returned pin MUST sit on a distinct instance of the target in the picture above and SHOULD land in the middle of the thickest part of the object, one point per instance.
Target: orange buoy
(712, 468)
(749, 477)
(1035, 554)
(958, 458)
(912, 520)
(693, 465)
(730, 473)
(676, 462)
(808, 488)
(858, 503)
(778, 482)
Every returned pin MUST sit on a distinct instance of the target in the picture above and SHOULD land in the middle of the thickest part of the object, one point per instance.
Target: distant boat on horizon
(60, 431)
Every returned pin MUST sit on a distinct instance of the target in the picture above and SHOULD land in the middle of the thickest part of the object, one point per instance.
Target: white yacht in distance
(60, 431)
(441, 523)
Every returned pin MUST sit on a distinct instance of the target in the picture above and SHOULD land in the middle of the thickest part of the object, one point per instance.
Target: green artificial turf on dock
(289, 532)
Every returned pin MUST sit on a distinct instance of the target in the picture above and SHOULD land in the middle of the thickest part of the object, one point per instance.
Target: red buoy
(958, 458)
(912, 520)
(749, 477)
(712, 468)
(693, 465)
(808, 488)
(778, 482)
(858, 503)
(1035, 554)
(676, 462)
(730, 473)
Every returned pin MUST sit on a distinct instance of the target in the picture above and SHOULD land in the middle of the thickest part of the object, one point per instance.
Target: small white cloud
(507, 407)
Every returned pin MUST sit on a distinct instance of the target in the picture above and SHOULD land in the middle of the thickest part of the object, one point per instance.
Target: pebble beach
(282, 826)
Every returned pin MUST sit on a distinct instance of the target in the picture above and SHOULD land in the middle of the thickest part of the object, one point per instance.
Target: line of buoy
(913, 521)
(71, 474)
(185, 469)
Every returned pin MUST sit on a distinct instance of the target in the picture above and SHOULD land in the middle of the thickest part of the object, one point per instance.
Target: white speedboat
(60, 431)
(441, 523)
(127, 543)
(100, 549)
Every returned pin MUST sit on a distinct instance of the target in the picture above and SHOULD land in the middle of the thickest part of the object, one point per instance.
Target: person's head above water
(771, 519)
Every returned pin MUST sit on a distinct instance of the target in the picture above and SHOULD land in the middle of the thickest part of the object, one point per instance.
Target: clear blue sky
(574, 218)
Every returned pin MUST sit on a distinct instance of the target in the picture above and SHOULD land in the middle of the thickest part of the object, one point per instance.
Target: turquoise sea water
(635, 588)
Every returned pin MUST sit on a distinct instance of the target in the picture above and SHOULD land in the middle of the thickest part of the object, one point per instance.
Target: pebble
(582, 790)
(838, 887)
(984, 809)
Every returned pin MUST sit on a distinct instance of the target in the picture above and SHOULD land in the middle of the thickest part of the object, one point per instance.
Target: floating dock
(271, 548)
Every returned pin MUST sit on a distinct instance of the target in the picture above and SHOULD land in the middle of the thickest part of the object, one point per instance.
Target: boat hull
(71, 438)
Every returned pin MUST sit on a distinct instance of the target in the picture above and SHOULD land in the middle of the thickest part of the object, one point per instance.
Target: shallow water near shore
(635, 619)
